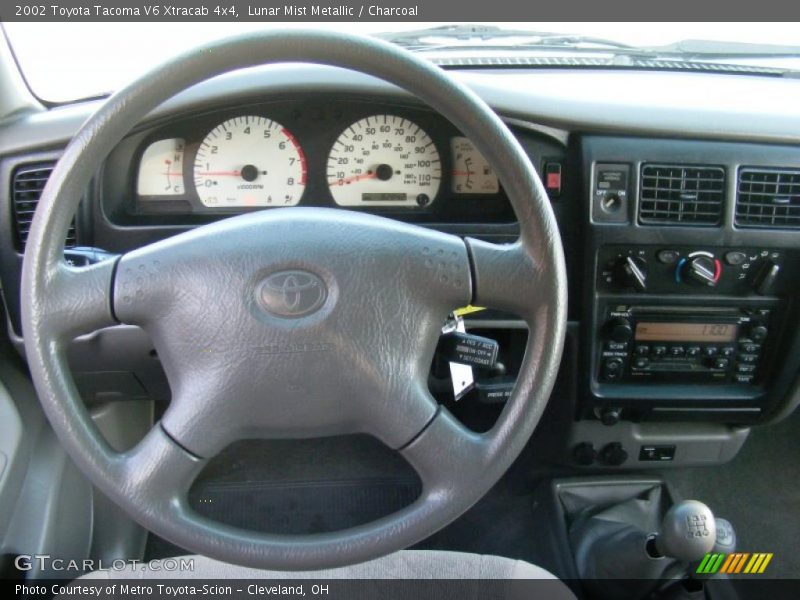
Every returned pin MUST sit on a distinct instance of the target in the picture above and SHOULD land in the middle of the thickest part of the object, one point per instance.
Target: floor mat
(299, 487)
(303, 507)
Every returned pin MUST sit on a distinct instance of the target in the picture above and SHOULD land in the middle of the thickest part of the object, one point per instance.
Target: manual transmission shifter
(622, 552)
(688, 532)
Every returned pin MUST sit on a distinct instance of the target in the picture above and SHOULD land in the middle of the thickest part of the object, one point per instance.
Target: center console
(692, 311)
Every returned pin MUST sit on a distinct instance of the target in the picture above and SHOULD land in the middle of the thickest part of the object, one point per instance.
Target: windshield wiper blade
(714, 49)
(485, 36)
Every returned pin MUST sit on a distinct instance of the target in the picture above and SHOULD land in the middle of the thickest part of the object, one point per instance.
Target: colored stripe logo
(734, 563)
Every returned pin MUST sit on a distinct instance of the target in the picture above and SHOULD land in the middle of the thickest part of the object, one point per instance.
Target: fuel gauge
(472, 173)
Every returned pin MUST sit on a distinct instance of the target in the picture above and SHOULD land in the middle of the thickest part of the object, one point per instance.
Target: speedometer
(249, 161)
(384, 160)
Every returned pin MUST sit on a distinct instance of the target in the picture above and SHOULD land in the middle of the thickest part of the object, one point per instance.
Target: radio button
(659, 350)
(676, 351)
(745, 368)
(758, 333)
(728, 351)
(641, 362)
(710, 351)
(743, 378)
(721, 363)
(617, 346)
(642, 350)
(619, 330)
(612, 369)
(750, 348)
(748, 358)
(693, 351)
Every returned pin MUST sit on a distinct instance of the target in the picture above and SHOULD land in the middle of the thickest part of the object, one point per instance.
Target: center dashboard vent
(27, 184)
(681, 195)
(768, 198)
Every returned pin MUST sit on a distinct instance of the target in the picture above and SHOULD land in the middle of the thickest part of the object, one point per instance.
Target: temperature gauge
(472, 173)
(161, 169)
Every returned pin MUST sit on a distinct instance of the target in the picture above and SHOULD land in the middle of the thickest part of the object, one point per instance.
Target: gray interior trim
(115, 536)
(15, 97)
(696, 444)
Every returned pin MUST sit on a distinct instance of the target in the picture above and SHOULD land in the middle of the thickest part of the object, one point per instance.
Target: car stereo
(682, 344)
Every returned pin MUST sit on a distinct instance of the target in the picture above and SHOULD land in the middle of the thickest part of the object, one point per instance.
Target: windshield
(64, 62)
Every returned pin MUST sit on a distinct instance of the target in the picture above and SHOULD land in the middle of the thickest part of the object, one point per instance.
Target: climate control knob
(631, 272)
(701, 270)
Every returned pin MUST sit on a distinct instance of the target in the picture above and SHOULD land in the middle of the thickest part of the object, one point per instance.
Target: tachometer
(249, 161)
(384, 160)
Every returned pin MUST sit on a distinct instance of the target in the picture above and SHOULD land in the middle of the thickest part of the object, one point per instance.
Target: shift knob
(688, 532)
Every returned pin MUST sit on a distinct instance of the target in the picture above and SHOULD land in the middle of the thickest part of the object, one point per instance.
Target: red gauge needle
(175, 174)
(354, 178)
(463, 173)
(221, 173)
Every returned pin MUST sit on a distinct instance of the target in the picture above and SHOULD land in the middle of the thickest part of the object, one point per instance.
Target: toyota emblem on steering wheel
(291, 294)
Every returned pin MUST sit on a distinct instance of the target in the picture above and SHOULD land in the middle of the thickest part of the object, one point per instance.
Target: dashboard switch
(610, 193)
(766, 278)
(620, 330)
(552, 181)
(758, 332)
(659, 453)
(612, 369)
(613, 454)
(735, 258)
(610, 416)
(584, 454)
(631, 272)
(668, 257)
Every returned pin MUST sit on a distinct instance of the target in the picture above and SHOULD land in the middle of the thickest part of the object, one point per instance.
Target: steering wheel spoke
(443, 451)
(79, 299)
(507, 277)
(157, 473)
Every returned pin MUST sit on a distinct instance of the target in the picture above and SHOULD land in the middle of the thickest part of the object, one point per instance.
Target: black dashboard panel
(315, 123)
(556, 122)
(682, 274)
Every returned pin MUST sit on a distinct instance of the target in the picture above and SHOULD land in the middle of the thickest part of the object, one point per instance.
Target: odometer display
(384, 160)
(249, 161)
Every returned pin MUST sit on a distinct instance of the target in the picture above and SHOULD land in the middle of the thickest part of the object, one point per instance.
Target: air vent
(681, 195)
(27, 184)
(768, 198)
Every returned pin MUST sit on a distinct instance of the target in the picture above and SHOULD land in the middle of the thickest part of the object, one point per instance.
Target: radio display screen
(686, 332)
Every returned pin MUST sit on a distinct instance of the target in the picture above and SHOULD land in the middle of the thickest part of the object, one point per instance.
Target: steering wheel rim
(456, 466)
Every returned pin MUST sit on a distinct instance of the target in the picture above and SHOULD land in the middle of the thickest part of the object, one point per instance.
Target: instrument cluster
(349, 154)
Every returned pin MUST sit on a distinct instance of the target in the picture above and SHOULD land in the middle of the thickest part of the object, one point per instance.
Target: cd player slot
(693, 310)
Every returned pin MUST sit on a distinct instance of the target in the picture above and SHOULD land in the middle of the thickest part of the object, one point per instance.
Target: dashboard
(385, 158)
(678, 205)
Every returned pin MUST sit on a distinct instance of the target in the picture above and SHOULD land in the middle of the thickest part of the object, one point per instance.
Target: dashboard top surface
(663, 103)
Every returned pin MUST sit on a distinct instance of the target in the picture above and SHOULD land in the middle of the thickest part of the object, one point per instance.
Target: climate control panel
(692, 270)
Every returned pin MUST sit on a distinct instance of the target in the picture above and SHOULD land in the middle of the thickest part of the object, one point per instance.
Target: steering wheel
(297, 322)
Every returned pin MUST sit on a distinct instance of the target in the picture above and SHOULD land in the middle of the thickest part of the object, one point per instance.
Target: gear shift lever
(688, 532)
(620, 556)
